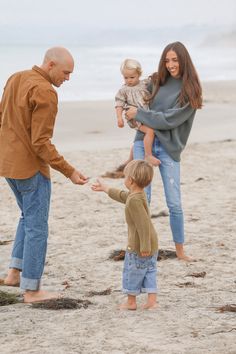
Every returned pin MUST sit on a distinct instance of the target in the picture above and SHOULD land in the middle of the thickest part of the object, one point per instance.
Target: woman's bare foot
(152, 160)
(12, 278)
(127, 306)
(39, 295)
(186, 258)
(180, 253)
(149, 306)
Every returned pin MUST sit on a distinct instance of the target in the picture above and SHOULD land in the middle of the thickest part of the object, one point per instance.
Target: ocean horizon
(97, 65)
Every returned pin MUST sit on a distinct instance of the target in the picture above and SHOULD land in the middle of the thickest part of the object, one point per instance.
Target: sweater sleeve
(167, 120)
(44, 110)
(118, 195)
(141, 219)
(120, 98)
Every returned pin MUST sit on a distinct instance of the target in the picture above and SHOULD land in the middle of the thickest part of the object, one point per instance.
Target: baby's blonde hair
(131, 64)
(140, 171)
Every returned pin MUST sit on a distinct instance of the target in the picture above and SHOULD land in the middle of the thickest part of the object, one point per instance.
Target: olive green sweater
(142, 236)
(171, 123)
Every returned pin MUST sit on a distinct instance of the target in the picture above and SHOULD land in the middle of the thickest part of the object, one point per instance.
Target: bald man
(27, 115)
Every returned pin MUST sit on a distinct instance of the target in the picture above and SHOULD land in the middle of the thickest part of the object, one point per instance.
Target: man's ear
(51, 64)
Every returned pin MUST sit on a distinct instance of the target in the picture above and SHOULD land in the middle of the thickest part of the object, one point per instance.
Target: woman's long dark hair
(191, 91)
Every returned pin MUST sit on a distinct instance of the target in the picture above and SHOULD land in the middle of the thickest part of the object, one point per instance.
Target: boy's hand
(100, 186)
(120, 122)
(145, 254)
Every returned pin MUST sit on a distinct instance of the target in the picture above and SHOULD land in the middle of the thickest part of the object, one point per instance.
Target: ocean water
(97, 74)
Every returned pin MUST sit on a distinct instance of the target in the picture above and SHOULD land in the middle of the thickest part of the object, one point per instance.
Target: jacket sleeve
(118, 195)
(141, 219)
(44, 109)
(0, 114)
(167, 120)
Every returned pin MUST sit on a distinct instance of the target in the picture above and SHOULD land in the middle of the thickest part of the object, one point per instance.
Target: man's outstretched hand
(78, 178)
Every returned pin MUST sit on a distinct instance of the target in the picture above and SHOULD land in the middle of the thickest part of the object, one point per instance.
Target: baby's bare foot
(39, 295)
(127, 306)
(152, 160)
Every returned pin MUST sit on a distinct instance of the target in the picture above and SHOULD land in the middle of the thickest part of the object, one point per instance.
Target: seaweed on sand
(103, 292)
(8, 299)
(227, 308)
(62, 304)
(119, 255)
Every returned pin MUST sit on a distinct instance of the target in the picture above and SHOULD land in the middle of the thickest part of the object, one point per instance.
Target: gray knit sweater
(172, 124)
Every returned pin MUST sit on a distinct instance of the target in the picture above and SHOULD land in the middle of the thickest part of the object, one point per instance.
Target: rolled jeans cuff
(29, 284)
(16, 263)
(149, 290)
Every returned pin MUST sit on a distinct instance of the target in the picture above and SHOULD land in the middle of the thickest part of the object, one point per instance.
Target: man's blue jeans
(170, 174)
(30, 246)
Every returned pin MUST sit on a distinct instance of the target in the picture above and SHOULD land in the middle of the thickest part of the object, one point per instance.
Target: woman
(176, 94)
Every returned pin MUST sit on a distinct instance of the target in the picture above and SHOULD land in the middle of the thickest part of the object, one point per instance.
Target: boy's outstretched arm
(100, 186)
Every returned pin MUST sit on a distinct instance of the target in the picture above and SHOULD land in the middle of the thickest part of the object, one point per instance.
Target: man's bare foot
(127, 306)
(39, 295)
(12, 278)
(149, 306)
(152, 160)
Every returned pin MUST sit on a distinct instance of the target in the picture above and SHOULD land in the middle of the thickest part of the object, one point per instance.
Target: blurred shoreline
(91, 125)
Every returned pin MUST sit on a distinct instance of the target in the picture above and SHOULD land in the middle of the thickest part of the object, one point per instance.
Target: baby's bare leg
(147, 142)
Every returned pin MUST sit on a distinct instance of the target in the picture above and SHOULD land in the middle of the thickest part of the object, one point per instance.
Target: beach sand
(85, 227)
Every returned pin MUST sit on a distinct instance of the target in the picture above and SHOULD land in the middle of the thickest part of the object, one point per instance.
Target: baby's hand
(100, 186)
(120, 123)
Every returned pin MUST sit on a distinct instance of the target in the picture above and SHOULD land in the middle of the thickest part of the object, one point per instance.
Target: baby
(134, 94)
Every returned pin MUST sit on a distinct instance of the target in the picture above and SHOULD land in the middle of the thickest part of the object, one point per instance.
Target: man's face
(60, 72)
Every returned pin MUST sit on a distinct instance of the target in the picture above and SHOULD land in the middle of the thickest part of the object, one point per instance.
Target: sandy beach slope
(85, 227)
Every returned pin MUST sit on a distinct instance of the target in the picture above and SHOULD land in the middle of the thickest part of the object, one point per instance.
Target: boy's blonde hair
(131, 64)
(140, 171)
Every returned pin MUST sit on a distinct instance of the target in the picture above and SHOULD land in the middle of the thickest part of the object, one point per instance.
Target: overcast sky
(117, 13)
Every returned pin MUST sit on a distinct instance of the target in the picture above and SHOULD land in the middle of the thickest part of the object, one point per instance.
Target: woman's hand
(131, 113)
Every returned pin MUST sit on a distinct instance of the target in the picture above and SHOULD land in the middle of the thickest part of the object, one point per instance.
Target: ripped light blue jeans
(170, 174)
(29, 249)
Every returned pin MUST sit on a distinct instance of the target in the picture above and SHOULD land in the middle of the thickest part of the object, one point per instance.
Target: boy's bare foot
(127, 306)
(39, 295)
(12, 278)
(149, 306)
(152, 160)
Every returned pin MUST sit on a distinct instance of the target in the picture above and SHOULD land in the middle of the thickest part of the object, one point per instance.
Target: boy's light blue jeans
(30, 246)
(170, 174)
(139, 274)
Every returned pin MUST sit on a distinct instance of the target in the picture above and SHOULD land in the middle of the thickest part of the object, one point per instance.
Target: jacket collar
(42, 72)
